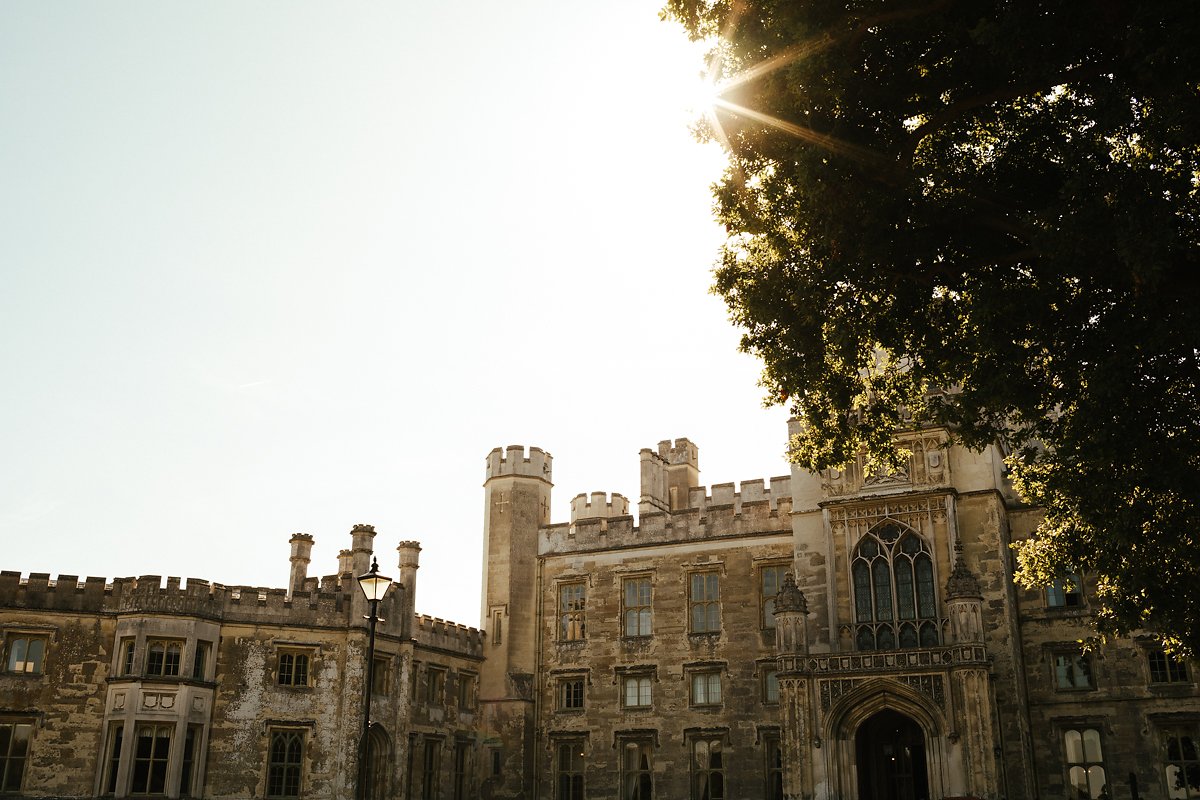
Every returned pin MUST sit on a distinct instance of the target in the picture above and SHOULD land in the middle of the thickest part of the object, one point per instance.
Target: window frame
(575, 771)
(169, 667)
(706, 678)
(770, 678)
(1170, 671)
(127, 656)
(468, 687)
(572, 610)
(189, 761)
(278, 771)
(153, 785)
(1185, 761)
(112, 756)
(30, 638)
(696, 788)
(1079, 662)
(381, 673)
(201, 653)
(642, 773)
(7, 758)
(431, 767)
(875, 627)
(288, 671)
(767, 616)
(460, 768)
(772, 745)
(1086, 764)
(1057, 598)
(644, 611)
(435, 685)
(566, 694)
(638, 681)
(708, 605)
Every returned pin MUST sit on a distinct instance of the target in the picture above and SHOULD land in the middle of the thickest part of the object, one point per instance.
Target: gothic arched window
(894, 601)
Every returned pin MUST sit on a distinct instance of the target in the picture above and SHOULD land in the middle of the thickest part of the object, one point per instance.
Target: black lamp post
(374, 586)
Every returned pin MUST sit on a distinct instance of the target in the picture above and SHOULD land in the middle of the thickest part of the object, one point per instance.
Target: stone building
(132, 688)
(852, 634)
(849, 635)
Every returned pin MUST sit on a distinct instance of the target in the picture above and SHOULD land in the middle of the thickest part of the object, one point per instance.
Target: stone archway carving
(852, 709)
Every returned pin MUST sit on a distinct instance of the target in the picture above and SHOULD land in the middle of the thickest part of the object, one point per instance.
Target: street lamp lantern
(374, 586)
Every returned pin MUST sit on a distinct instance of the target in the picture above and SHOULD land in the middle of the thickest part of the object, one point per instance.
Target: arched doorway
(379, 764)
(890, 753)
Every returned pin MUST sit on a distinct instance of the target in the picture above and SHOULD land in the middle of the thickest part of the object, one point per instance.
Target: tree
(985, 214)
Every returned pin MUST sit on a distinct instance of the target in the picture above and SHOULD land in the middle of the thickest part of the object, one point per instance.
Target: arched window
(895, 605)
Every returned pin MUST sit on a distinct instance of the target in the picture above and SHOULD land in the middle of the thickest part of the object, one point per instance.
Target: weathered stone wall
(1130, 712)
(64, 703)
(234, 701)
(740, 652)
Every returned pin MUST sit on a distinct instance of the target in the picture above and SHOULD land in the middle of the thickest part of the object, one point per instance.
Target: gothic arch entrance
(890, 756)
(379, 764)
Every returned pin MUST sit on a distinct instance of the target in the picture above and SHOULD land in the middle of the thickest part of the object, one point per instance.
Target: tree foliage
(984, 213)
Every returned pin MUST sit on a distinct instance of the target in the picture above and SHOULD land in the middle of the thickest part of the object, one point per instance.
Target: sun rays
(713, 97)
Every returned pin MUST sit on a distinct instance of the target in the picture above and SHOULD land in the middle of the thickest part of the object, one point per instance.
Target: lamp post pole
(374, 586)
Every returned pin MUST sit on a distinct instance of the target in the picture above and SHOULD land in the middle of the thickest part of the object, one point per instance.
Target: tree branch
(1009, 92)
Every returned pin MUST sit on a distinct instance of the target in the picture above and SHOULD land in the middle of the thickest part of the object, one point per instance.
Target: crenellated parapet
(38, 591)
(449, 636)
(756, 509)
(148, 594)
(598, 506)
(512, 461)
(752, 492)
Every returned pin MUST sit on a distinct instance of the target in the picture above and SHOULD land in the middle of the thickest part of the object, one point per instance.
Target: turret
(346, 565)
(409, 557)
(516, 503)
(301, 557)
(668, 475)
(598, 506)
(362, 545)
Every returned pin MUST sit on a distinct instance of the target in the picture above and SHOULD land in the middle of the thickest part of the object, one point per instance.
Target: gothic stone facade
(852, 634)
(849, 635)
(130, 688)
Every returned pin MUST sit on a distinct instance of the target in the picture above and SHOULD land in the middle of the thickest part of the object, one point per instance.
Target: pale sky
(281, 267)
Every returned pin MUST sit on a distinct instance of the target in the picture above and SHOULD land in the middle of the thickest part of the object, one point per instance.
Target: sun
(702, 95)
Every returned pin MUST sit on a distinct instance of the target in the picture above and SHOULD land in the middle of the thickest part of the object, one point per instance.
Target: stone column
(969, 682)
(791, 647)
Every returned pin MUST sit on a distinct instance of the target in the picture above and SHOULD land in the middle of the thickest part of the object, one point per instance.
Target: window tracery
(895, 602)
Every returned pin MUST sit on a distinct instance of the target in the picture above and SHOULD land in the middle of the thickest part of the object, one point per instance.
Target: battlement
(512, 461)
(757, 509)
(680, 452)
(147, 594)
(598, 506)
(444, 635)
(753, 491)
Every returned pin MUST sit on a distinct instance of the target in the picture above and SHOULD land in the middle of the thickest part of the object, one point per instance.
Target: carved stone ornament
(790, 598)
(962, 582)
(881, 475)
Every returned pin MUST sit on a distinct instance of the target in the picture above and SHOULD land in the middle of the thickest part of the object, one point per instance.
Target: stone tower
(516, 504)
